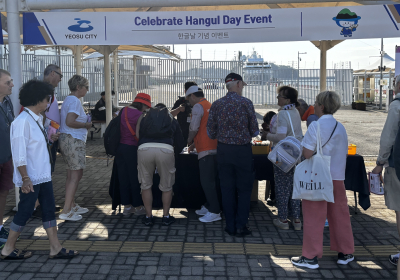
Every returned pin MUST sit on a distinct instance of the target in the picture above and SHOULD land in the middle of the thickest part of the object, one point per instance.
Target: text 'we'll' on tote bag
(312, 177)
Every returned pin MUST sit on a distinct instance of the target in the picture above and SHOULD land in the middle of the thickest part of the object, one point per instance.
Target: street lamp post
(298, 68)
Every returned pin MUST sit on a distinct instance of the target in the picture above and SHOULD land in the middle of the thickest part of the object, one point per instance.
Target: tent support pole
(15, 61)
(322, 69)
(135, 89)
(324, 46)
(107, 79)
(116, 78)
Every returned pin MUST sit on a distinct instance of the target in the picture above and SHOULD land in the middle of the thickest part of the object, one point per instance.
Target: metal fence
(262, 89)
(164, 79)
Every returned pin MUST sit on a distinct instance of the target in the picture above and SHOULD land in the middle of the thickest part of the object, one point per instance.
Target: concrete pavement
(114, 246)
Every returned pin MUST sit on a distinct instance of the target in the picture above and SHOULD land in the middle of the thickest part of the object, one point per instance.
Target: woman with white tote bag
(335, 146)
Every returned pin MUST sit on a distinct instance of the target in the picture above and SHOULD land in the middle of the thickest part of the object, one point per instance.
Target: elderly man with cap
(306, 112)
(232, 121)
(207, 151)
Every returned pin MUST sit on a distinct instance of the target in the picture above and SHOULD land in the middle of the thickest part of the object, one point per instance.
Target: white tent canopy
(388, 62)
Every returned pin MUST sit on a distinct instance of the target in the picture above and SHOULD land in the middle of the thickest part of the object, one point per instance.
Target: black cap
(233, 77)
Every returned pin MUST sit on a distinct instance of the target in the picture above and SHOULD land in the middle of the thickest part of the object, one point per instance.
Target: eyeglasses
(8, 83)
(48, 98)
(61, 76)
(87, 87)
(281, 96)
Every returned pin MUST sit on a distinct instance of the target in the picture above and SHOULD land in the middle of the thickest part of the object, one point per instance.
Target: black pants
(235, 167)
(126, 160)
(208, 172)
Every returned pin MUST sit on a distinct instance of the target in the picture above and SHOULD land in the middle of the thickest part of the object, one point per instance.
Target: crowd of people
(149, 140)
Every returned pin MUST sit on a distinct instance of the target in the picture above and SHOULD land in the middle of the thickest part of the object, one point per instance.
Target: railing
(164, 79)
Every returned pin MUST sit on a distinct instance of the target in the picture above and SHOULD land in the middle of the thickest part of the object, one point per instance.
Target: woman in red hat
(125, 168)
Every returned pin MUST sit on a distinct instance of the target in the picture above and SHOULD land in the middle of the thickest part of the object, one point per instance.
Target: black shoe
(271, 202)
(230, 233)
(148, 221)
(243, 232)
(167, 221)
(393, 259)
(344, 259)
(304, 262)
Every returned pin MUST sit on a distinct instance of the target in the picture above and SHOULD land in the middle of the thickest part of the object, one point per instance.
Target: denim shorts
(43, 192)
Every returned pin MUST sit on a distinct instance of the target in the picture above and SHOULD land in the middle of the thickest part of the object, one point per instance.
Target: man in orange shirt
(306, 112)
(207, 153)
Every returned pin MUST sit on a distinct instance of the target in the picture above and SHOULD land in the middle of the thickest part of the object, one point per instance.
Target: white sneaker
(202, 211)
(210, 217)
(79, 210)
(71, 216)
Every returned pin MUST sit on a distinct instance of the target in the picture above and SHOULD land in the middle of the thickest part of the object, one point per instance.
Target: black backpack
(157, 124)
(112, 135)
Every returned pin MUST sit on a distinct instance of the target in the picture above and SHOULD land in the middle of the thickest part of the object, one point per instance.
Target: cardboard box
(260, 150)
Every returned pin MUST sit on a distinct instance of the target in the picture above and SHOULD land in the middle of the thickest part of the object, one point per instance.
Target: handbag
(287, 152)
(312, 178)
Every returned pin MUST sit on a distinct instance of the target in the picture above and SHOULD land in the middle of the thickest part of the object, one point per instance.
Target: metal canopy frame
(14, 7)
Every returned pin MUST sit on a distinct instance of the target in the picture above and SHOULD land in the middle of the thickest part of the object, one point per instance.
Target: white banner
(205, 27)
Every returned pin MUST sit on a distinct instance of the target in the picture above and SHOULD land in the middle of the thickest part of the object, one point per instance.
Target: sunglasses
(61, 76)
(8, 83)
(281, 96)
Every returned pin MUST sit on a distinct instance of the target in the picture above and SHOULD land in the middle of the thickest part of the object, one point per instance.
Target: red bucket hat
(143, 98)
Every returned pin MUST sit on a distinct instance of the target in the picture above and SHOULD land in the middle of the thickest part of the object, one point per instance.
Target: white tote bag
(312, 178)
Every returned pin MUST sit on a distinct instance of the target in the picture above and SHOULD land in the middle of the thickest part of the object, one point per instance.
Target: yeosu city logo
(82, 26)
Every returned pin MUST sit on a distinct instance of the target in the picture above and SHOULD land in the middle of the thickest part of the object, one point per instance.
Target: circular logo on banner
(82, 26)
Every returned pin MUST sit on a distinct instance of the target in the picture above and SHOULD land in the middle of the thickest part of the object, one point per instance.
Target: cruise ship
(256, 70)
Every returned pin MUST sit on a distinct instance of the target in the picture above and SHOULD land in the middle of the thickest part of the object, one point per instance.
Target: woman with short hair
(287, 115)
(32, 171)
(334, 138)
(74, 127)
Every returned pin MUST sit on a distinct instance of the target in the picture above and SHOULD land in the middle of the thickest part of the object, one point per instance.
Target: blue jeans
(235, 168)
(43, 192)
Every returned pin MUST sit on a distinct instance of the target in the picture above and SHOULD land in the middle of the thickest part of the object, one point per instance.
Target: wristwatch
(379, 164)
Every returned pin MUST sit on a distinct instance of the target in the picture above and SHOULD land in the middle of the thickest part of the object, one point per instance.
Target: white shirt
(336, 148)
(72, 104)
(29, 147)
(283, 127)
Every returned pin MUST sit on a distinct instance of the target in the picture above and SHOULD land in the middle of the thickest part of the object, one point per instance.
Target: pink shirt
(126, 136)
